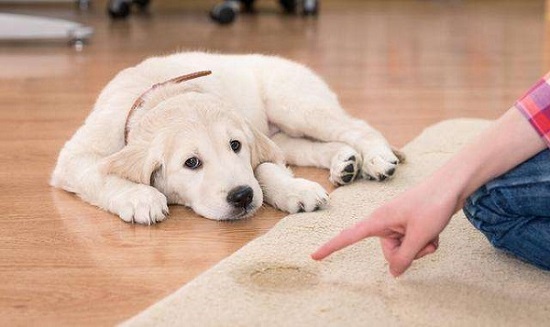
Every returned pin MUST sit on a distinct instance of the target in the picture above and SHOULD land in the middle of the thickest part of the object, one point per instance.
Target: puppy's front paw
(301, 195)
(379, 163)
(141, 204)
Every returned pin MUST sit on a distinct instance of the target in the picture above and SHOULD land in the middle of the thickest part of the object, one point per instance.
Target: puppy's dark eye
(193, 163)
(235, 146)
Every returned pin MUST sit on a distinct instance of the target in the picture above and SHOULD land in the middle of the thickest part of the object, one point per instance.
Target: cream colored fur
(275, 108)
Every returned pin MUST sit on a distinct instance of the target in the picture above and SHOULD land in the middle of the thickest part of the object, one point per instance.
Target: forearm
(508, 142)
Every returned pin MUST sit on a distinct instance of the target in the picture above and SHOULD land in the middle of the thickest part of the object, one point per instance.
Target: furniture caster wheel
(310, 7)
(118, 9)
(78, 37)
(142, 4)
(225, 13)
(289, 6)
(83, 4)
(77, 44)
(247, 6)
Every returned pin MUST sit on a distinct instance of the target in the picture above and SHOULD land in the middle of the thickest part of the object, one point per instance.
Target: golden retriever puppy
(168, 132)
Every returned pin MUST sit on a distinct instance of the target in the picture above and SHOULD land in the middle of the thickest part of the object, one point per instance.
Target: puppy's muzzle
(240, 196)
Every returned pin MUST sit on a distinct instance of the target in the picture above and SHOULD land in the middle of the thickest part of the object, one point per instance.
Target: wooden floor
(400, 65)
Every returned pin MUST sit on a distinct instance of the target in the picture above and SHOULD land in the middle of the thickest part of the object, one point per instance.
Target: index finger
(363, 229)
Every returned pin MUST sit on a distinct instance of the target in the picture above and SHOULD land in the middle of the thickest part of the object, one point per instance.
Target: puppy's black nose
(240, 196)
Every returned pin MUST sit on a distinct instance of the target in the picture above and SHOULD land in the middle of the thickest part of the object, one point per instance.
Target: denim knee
(483, 211)
(496, 216)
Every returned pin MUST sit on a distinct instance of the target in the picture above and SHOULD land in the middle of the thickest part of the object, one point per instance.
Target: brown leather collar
(141, 100)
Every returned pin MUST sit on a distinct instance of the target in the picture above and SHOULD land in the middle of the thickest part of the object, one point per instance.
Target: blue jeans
(513, 211)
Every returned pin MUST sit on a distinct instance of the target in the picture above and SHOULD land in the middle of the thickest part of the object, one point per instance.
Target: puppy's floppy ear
(263, 149)
(134, 163)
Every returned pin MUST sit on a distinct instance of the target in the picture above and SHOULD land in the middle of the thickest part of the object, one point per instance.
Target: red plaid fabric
(535, 106)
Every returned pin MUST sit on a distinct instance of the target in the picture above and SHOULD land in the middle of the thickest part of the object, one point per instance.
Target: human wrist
(451, 183)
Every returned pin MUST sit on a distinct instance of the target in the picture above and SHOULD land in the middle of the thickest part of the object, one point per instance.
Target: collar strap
(141, 100)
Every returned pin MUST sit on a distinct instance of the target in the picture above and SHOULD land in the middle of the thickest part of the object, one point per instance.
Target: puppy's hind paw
(381, 164)
(345, 167)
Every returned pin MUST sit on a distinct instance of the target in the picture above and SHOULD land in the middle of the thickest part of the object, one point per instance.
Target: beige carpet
(273, 282)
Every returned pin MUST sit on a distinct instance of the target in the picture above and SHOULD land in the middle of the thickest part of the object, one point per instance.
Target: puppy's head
(199, 154)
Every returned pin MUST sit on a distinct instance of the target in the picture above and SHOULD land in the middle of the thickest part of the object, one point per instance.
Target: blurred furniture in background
(227, 11)
(17, 27)
(82, 4)
(122, 8)
(224, 12)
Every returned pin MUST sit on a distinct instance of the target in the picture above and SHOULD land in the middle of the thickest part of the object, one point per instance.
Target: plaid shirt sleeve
(535, 106)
